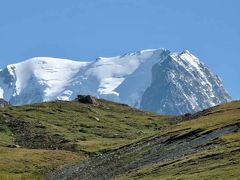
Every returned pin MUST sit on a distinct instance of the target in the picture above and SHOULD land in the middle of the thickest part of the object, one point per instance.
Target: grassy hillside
(205, 145)
(221, 160)
(109, 140)
(22, 163)
(57, 133)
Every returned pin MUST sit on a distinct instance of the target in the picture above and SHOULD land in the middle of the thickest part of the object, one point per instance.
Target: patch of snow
(108, 85)
(111, 72)
(1, 93)
(194, 62)
(65, 95)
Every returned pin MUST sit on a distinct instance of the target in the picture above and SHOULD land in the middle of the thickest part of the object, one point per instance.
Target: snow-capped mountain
(182, 84)
(37, 79)
(154, 79)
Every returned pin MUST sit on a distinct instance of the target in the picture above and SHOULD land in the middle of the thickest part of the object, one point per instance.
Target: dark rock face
(4, 103)
(179, 86)
(87, 99)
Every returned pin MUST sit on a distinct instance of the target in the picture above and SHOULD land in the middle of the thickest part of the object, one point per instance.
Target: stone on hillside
(96, 118)
(86, 99)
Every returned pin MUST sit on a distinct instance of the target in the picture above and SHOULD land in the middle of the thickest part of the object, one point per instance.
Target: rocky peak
(182, 84)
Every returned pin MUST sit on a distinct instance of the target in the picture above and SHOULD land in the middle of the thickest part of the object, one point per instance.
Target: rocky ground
(160, 149)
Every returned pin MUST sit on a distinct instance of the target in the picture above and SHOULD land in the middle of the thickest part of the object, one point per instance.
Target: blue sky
(86, 29)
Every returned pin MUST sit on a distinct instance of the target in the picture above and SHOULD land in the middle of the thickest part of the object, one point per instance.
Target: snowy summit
(155, 80)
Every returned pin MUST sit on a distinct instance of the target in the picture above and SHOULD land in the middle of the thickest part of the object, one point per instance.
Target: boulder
(87, 99)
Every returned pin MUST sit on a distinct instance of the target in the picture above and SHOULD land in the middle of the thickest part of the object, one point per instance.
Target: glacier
(156, 80)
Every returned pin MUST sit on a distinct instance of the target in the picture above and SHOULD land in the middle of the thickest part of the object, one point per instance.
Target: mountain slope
(182, 84)
(37, 79)
(37, 138)
(204, 145)
(137, 79)
(51, 78)
(104, 135)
